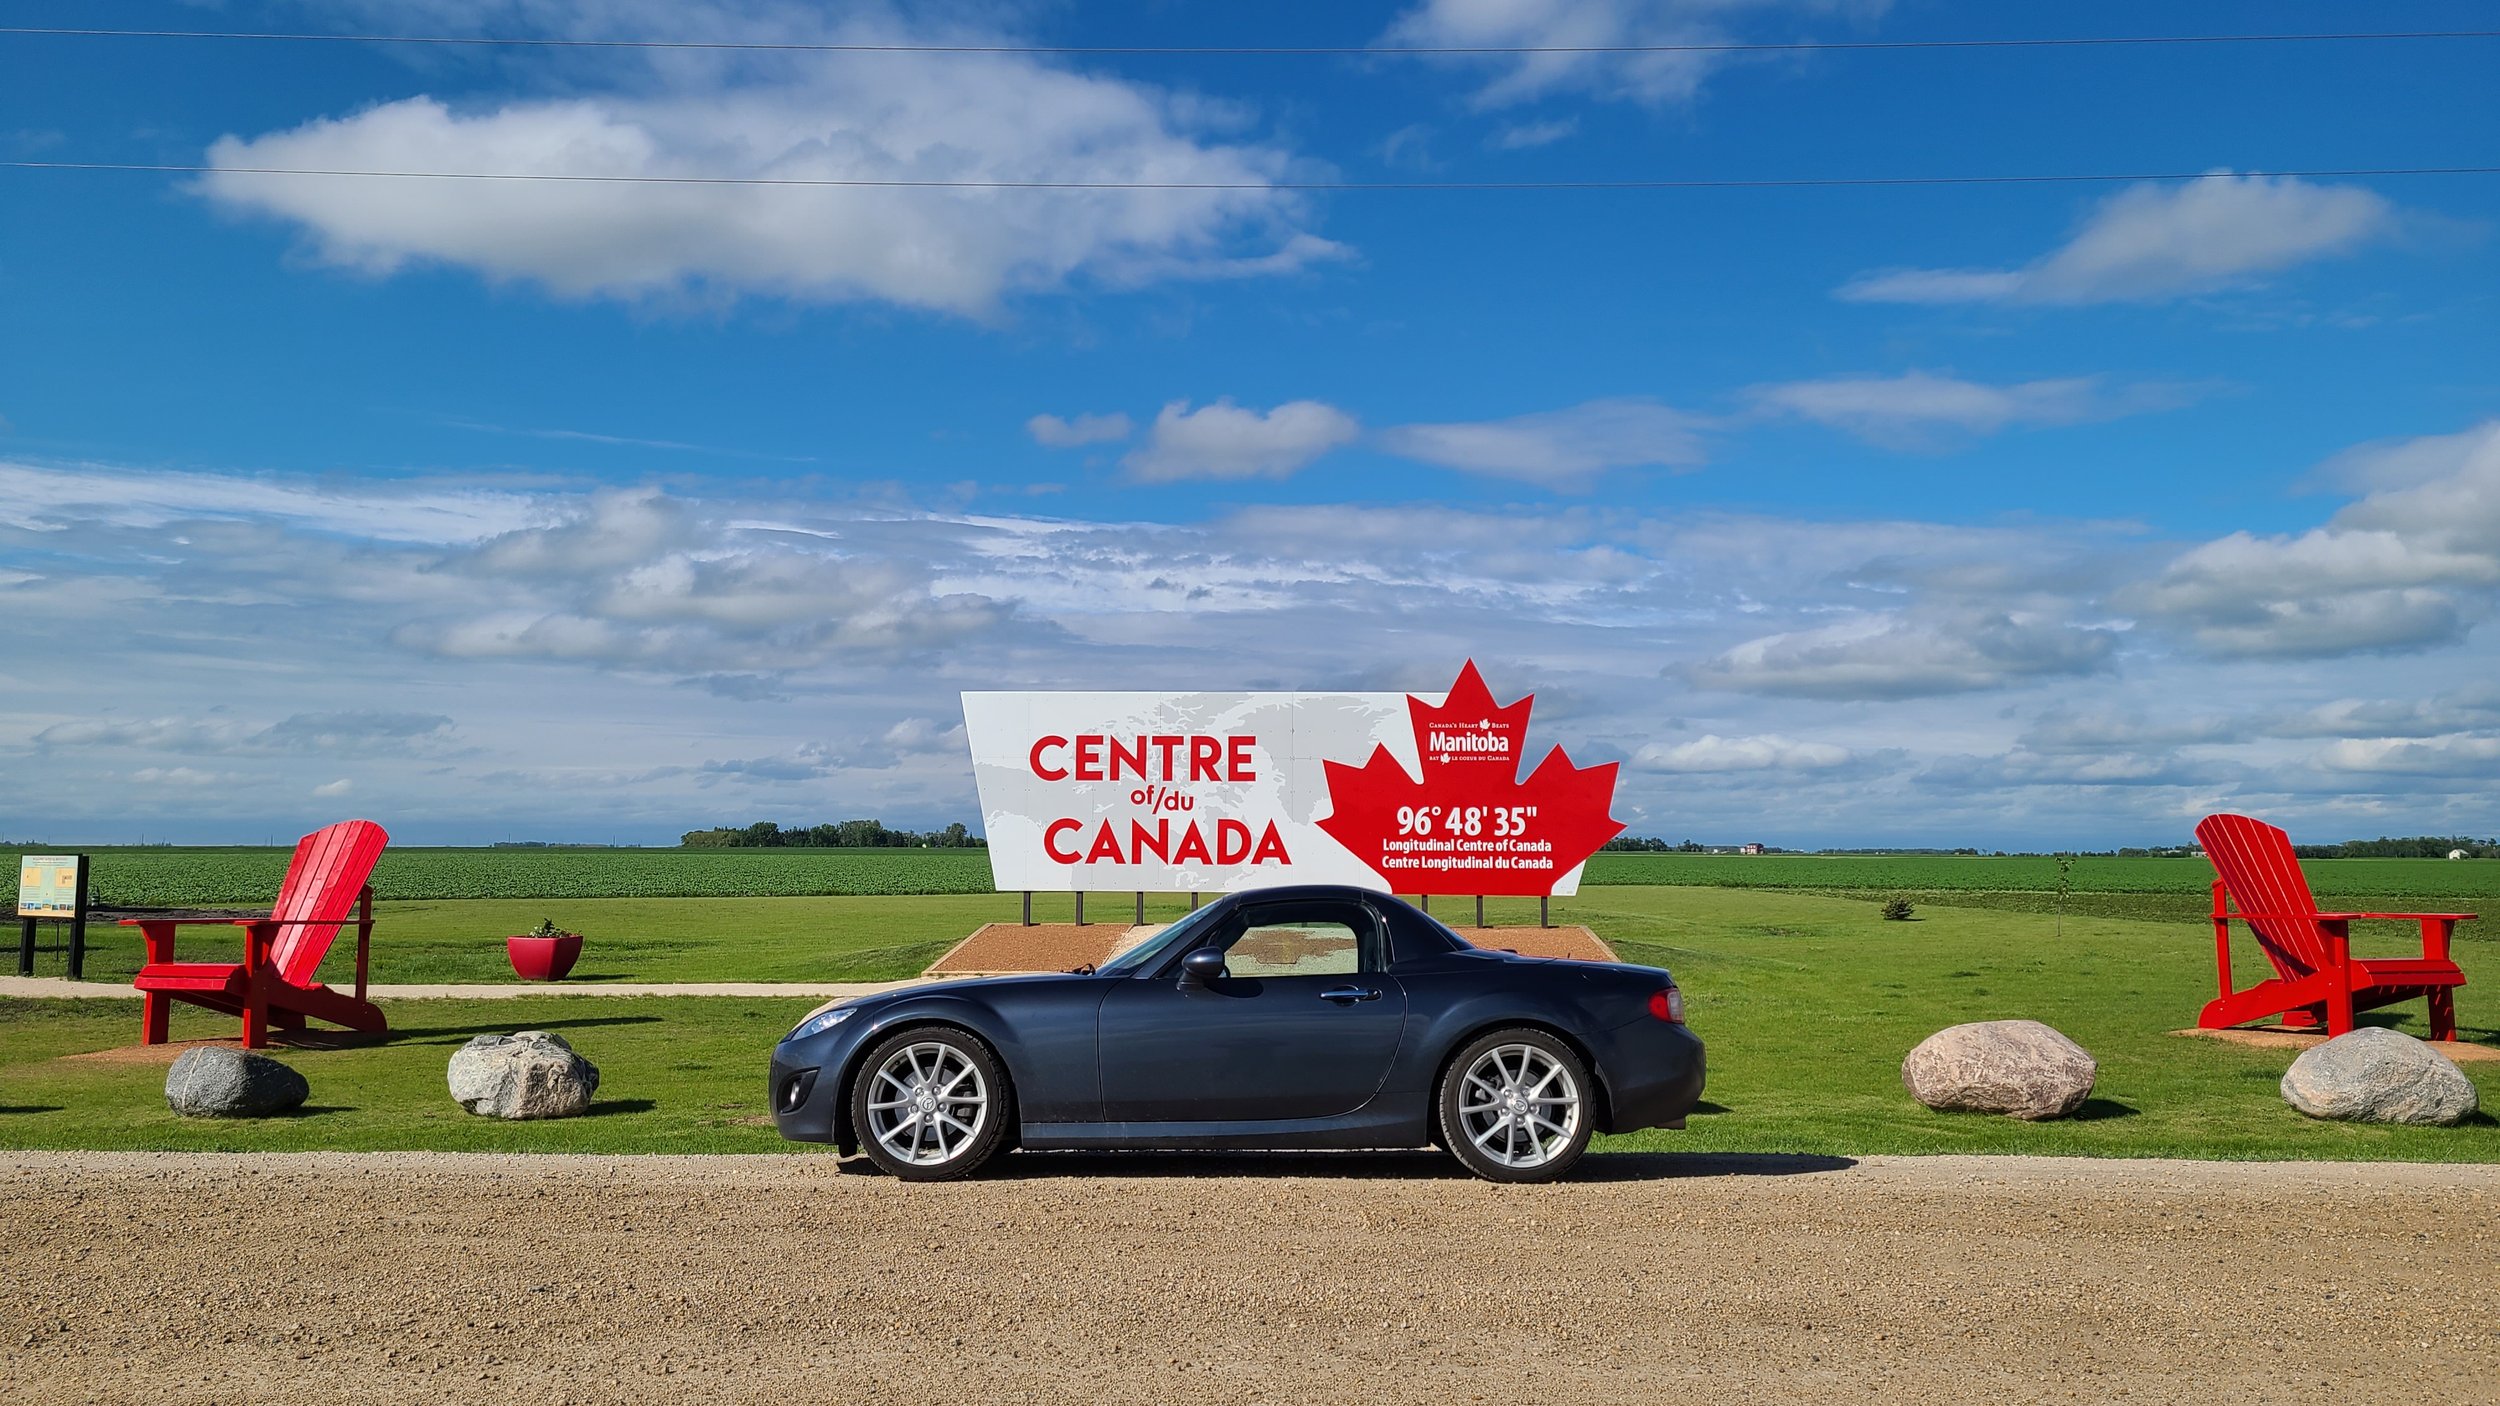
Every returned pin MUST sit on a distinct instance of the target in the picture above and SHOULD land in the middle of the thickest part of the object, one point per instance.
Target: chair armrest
(2401, 917)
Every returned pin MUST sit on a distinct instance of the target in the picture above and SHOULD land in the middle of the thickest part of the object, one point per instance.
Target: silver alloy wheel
(927, 1103)
(1519, 1105)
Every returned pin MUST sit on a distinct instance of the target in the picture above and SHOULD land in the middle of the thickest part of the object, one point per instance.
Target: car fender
(1043, 1039)
(1436, 1032)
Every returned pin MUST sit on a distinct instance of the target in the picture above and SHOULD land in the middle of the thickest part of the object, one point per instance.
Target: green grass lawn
(1808, 1002)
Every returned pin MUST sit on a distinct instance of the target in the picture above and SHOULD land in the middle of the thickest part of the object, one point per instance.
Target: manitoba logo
(1483, 740)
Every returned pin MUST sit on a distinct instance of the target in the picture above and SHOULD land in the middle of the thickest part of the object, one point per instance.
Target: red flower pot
(543, 958)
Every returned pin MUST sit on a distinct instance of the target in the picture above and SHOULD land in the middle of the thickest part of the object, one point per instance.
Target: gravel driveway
(332, 1277)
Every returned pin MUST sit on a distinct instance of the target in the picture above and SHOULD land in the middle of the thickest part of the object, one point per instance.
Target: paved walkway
(61, 988)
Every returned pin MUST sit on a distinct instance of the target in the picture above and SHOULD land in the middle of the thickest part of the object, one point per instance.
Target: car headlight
(821, 1022)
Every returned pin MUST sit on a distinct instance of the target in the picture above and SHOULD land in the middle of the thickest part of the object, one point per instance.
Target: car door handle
(1348, 995)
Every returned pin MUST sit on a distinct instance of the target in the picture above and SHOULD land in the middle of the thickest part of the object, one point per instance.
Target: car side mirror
(1203, 965)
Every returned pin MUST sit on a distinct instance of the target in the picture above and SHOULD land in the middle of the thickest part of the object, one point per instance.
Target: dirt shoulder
(443, 1277)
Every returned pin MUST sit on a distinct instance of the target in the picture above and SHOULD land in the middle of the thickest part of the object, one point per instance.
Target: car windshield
(1150, 953)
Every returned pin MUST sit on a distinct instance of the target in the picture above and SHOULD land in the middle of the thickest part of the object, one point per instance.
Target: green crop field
(147, 877)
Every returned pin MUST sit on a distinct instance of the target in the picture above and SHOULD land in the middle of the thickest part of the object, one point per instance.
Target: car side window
(1303, 940)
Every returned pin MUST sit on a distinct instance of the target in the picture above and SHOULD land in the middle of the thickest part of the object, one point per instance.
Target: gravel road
(331, 1277)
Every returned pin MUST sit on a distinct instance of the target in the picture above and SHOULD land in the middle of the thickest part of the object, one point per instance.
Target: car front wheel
(930, 1104)
(1514, 1106)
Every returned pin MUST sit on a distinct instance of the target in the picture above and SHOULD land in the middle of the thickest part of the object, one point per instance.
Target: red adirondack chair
(325, 889)
(2317, 980)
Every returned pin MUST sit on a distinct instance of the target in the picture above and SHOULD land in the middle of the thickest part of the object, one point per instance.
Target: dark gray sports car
(1279, 1018)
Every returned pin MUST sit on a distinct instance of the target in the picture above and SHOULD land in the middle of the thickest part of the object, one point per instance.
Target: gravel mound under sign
(998, 949)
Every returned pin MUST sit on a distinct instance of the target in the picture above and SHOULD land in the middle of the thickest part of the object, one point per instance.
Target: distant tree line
(847, 834)
(2410, 847)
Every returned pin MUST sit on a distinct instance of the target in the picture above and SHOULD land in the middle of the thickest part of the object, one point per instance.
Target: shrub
(1897, 910)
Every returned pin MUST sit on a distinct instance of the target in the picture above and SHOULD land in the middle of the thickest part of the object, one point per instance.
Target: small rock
(2020, 1068)
(215, 1082)
(2375, 1075)
(532, 1074)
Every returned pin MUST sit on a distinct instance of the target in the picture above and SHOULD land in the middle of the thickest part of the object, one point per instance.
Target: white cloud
(339, 787)
(2466, 709)
(46, 499)
(185, 776)
(641, 663)
(1054, 433)
(296, 733)
(973, 117)
(2155, 241)
(1912, 409)
(2413, 565)
(1526, 136)
(1227, 441)
(2460, 755)
(1766, 752)
(1562, 449)
(1567, 30)
(1889, 655)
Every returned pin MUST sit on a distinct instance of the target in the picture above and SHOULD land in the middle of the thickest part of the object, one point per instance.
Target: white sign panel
(1172, 792)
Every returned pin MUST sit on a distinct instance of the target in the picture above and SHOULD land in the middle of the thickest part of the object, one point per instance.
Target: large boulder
(2375, 1075)
(2020, 1068)
(532, 1074)
(216, 1082)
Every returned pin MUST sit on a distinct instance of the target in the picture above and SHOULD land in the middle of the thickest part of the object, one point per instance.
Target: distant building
(1757, 849)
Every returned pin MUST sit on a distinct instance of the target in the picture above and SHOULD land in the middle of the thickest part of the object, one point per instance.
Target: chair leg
(2304, 1017)
(2339, 1014)
(156, 1016)
(255, 1018)
(2443, 1014)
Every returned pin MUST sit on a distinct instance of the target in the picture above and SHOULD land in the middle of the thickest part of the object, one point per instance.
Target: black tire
(1515, 1141)
(946, 1135)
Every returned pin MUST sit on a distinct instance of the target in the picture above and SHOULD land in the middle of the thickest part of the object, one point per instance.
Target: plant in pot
(544, 953)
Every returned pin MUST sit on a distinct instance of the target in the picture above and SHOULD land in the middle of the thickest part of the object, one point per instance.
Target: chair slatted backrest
(330, 869)
(2259, 871)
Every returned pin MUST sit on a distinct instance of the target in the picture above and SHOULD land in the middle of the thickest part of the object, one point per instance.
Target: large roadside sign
(1207, 792)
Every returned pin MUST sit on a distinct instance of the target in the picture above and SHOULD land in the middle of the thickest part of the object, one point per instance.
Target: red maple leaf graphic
(1470, 825)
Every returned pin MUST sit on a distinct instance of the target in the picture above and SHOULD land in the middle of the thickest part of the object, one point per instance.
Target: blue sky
(2031, 515)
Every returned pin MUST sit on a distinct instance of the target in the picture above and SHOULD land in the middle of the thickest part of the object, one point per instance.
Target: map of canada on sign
(1469, 824)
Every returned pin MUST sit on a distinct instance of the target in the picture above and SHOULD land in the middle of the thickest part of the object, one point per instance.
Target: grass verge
(1808, 1003)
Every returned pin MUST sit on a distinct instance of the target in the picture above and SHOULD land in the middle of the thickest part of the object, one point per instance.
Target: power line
(1264, 50)
(908, 183)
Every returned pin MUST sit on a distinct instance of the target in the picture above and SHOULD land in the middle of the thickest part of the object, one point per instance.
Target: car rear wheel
(1514, 1106)
(930, 1104)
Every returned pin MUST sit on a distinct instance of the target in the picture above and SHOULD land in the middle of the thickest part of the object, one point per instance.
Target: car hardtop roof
(1291, 892)
(1416, 928)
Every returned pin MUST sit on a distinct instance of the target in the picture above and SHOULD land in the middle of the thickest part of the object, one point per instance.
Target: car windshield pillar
(1148, 955)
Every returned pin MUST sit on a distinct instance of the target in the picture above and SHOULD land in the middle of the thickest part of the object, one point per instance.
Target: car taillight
(1668, 1005)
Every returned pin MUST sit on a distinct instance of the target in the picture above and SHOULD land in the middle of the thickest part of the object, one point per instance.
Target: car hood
(917, 988)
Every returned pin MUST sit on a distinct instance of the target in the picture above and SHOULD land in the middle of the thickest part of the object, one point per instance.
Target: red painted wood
(2317, 979)
(325, 888)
